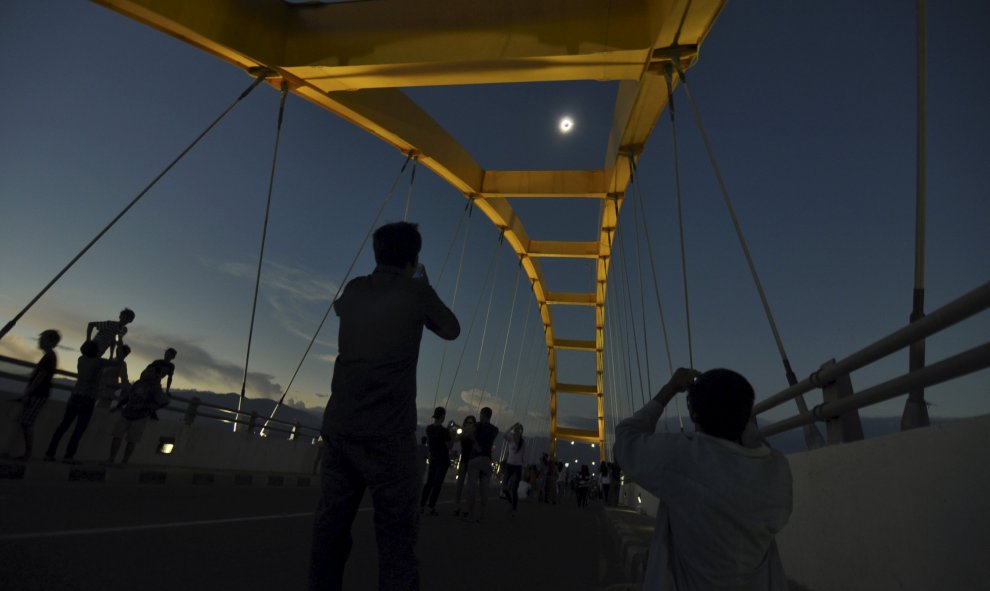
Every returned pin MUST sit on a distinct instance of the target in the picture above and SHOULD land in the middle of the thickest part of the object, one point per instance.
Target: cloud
(296, 295)
(18, 348)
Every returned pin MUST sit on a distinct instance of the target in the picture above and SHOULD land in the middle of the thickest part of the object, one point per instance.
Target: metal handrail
(237, 418)
(955, 311)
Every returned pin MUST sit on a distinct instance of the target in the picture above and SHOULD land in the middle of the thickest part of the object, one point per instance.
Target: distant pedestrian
(583, 485)
(466, 439)
(114, 378)
(514, 463)
(136, 406)
(38, 388)
(606, 480)
(480, 467)
(369, 425)
(166, 368)
(81, 402)
(439, 441)
(550, 482)
(109, 333)
(563, 480)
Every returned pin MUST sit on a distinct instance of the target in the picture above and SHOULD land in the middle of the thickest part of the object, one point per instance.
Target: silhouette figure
(38, 388)
(439, 441)
(109, 333)
(722, 502)
(81, 402)
(136, 406)
(479, 470)
(369, 424)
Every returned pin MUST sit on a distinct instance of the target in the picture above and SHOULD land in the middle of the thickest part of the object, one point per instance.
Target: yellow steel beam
(583, 435)
(575, 344)
(578, 389)
(561, 249)
(353, 58)
(569, 298)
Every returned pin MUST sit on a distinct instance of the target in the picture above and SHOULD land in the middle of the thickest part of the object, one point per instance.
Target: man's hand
(679, 382)
(420, 274)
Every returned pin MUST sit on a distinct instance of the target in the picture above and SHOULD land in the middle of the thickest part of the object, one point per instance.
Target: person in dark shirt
(479, 471)
(465, 435)
(166, 368)
(38, 388)
(369, 426)
(81, 402)
(439, 441)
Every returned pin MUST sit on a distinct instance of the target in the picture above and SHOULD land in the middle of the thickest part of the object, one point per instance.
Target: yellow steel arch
(353, 59)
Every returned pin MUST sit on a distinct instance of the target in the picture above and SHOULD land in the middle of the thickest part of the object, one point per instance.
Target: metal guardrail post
(295, 431)
(847, 426)
(252, 423)
(192, 408)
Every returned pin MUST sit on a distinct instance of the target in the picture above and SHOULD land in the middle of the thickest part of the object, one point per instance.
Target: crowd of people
(101, 383)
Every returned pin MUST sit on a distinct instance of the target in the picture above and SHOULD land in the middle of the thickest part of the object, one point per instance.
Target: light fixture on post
(166, 445)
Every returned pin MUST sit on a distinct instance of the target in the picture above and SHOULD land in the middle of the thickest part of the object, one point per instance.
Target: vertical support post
(916, 409)
(847, 426)
(252, 423)
(192, 409)
(295, 432)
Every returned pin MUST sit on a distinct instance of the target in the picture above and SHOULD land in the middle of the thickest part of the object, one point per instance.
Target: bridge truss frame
(354, 58)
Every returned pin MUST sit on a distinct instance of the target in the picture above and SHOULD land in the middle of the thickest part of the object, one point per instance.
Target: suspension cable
(618, 317)
(488, 313)
(409, 191)
(343, 283)
(637, 213)
(453, 302)
(630, 314)
(791, 378)
(508, 332)
(474, 317)
(262, 74)
(465, 215)
(261, 253)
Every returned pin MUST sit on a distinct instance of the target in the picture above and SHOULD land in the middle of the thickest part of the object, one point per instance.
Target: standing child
(38, 388)
(109, 333)
(81, 402)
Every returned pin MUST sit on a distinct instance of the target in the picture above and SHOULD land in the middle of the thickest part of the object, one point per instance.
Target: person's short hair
(51, 335)
(127, 314)
(171, 351)
(486, 412)
(469, 419)
(90, 349)
(439, 412)
(721, 402)
(397, 244)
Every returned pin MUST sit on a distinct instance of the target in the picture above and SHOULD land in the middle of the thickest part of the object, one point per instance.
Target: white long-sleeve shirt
(721, 504)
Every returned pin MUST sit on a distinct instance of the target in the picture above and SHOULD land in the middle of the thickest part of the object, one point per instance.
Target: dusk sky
(810, 107)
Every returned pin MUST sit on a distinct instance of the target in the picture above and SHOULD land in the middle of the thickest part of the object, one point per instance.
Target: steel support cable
(637, 214)
(409, 191)
(812, 436)
(261, 252)
(508, 330)
(624, 271)
(653, 266)
(10, 325)
(491, 296)
(465, 215)
(343, 283)
(619, 318)
(453, 302)
(474, 317)
(515, 379)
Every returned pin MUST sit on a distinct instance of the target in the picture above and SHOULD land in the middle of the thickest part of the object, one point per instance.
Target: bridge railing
(191, 408)
(839, 410)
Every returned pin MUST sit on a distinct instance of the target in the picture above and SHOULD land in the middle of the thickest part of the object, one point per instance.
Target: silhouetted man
(721, 503)
(479, 470)
(369, 426)
(110, 333)
(439, 441)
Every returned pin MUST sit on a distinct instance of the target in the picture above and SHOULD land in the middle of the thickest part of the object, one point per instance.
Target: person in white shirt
(514, 463)
(721, 503)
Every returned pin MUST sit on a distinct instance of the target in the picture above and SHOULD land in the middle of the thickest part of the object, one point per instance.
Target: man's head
(126, 316)
(721, 402)
(439, 414)
(49, 339)
(486, 415)
(397, 245)
(90, 349)
(170, 354)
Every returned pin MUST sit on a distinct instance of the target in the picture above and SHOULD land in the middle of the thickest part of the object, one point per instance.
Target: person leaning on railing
(721, 502)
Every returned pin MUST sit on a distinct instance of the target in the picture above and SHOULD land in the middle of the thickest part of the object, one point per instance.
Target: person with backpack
(137, 404)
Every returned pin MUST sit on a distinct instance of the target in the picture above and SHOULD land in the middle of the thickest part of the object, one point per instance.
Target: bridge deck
(102, 536)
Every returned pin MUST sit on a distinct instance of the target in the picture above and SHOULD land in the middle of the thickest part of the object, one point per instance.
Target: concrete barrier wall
(200, 445)
(907, 511)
